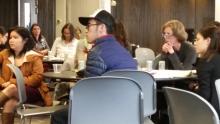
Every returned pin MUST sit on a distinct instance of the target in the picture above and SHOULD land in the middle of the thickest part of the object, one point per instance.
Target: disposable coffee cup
(81, 64)
(57, 68)
(149, 65)
(50, 56)
(161, 65)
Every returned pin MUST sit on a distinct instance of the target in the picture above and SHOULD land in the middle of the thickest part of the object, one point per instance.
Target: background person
(3, 38)
(208, 69)
(177, 53)
(120, 35)
(20, 54)
(66, 44)
(106, 55)
(41, 44)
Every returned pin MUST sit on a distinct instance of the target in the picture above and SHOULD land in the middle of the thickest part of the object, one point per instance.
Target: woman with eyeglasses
(177, 53)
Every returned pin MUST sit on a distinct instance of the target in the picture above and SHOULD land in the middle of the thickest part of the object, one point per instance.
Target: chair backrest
(217, 86)
(106, 100)
(144, 54)
(185, 107)
(147, 83)
(20, 83)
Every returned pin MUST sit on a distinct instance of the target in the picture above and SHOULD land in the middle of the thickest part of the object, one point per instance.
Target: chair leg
(22, 120)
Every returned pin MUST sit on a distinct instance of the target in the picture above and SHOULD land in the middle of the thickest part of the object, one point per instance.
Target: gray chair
(147, 83)
(106, 100)
(28, 110)
(185, 107)
(144, 54)
(217, 86)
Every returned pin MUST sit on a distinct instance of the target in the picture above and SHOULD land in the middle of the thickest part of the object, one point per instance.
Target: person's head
(67, 32)
(207, 41)
(214, 23)
(98, 25)
(20, 40)
(120, 34)
(36, 31)
(174, 31)
(2, 35)
(78, 33)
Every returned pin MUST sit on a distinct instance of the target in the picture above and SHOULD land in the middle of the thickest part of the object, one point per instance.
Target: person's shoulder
(5, 52)
(32, 55)
(188, 47)
(216, 57)
(58, 39)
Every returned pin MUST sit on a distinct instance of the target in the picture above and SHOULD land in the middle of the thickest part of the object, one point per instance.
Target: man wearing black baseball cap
(106, 55)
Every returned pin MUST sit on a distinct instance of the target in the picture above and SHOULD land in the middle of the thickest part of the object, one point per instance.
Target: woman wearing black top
(207, 46)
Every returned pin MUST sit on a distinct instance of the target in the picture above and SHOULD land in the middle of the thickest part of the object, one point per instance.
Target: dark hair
(71, 28)
(110, 28)
(212, 32)
(214, 23)
(26, 36)
(103, 17)
(31, 30)
(2, 30)
(120, 34)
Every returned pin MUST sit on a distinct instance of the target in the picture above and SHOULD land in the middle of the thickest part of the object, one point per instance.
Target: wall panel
(143, 18)
(46, 19)
(8, 13)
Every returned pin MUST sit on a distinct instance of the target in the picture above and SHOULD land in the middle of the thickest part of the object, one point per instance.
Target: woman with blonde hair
(176, 51)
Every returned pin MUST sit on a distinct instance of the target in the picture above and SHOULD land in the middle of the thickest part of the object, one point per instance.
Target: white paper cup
(57, 68)
(149, 65)
(161, 65)
(81, 64)
(50, 56)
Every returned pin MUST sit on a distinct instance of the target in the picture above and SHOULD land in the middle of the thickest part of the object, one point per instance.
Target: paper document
(171, 73)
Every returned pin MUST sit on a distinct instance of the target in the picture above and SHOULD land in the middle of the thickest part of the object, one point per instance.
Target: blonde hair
(178, 29)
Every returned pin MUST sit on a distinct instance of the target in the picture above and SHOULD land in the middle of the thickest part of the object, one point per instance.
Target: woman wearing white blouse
(67, 46)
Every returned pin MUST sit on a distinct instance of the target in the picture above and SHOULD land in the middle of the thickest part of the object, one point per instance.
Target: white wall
(60, 16)
(70, 10)
(217, 10)
(81, 8)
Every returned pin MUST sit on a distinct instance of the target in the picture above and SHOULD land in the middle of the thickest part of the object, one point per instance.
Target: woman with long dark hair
(41, 44)
(19, 52)
(207, 46)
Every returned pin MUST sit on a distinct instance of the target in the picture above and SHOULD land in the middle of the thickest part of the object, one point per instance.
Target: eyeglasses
(89, 25)
(168, 35)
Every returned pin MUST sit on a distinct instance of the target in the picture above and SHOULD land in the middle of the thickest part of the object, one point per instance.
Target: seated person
(177, 53)
(66, 45)
(20, 53)
(3, 38)
(41, 45)
(107, 54)
(208, 68)
(121, 36)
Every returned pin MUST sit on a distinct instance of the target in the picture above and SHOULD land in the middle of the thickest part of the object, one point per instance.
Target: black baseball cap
(100, 15)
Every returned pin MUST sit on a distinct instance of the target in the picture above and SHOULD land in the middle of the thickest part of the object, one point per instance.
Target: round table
(63, 76)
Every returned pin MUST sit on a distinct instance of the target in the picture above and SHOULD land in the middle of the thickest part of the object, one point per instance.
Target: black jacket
(208, 72)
